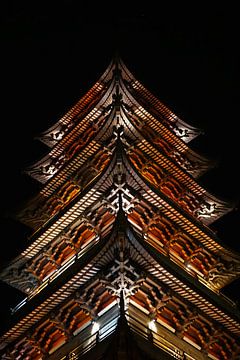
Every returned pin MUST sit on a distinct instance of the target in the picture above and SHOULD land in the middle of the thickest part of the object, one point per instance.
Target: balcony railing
(137, 327)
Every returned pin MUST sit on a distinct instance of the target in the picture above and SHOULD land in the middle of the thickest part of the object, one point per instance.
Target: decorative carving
(60, 324)
(183, 159)
(206, 210)
(220, 273)
(53, 136)
(33, 215)
(22, 279)
(180, 132)
(46, 169)
(189, 201)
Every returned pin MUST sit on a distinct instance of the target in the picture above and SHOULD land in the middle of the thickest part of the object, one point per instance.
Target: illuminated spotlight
(95, 327)
(152, 325)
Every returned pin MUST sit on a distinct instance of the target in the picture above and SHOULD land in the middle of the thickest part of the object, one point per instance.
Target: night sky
(51, 55)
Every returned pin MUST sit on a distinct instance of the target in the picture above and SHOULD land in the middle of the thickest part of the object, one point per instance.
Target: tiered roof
(121, 212)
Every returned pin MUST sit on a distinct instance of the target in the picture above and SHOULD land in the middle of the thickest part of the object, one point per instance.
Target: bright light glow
(152, 325)
(95, 328)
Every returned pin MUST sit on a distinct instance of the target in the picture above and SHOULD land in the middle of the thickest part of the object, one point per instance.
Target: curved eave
(49, 166)
(182, 156)
(187, 181)
(142, 118)
(173, 121)
(213, 209)
(55, 133)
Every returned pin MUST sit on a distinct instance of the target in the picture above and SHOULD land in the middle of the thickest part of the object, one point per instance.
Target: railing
(142, 330)
(90, 341)
(136, 326)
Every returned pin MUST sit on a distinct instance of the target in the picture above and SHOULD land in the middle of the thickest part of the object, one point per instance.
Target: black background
(52, 54)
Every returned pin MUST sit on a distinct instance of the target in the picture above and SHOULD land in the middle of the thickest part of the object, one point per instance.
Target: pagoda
(122, 262)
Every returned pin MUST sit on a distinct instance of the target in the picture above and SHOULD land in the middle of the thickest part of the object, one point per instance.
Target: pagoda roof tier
(55, 134)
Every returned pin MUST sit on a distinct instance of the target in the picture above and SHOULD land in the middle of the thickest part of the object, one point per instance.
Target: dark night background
(52, 54)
